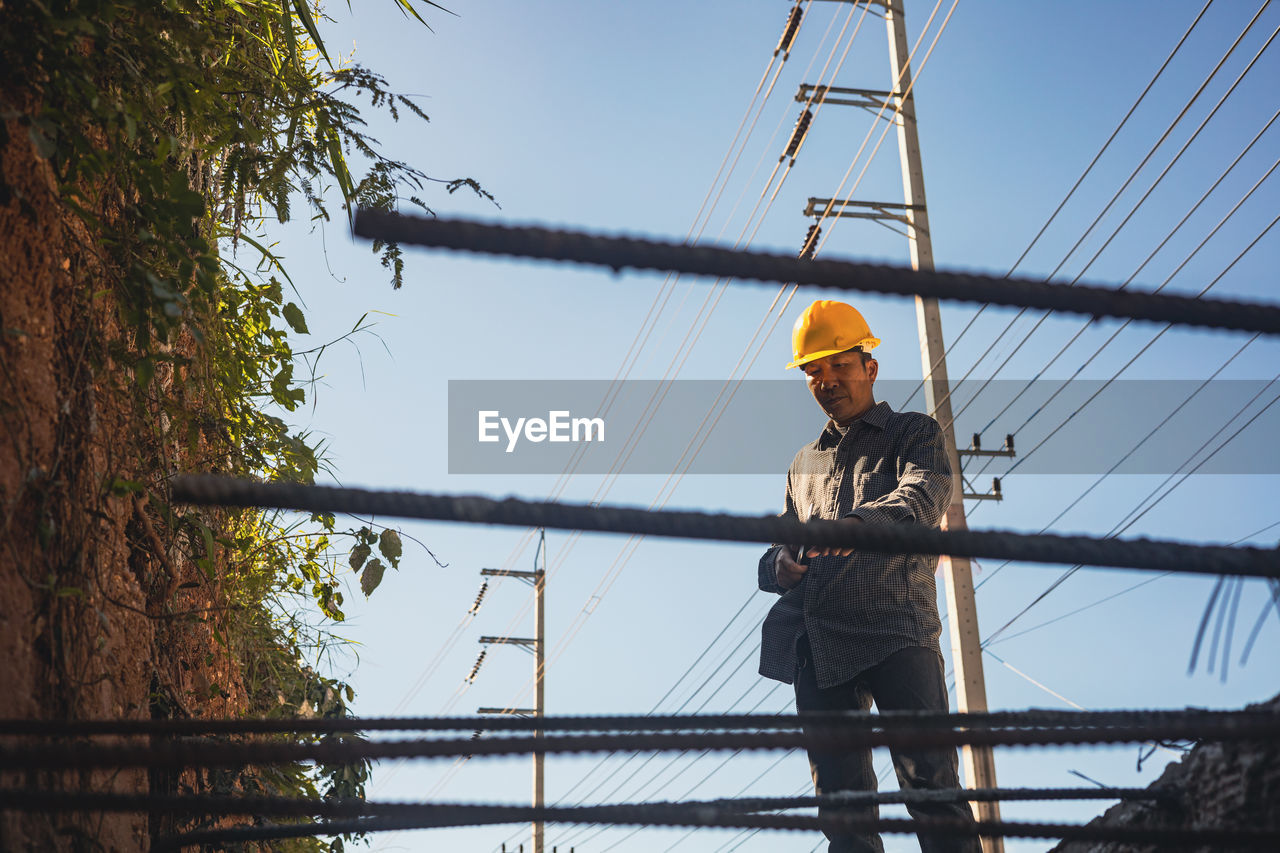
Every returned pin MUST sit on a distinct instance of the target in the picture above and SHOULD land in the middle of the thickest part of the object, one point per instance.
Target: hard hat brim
(865, 343)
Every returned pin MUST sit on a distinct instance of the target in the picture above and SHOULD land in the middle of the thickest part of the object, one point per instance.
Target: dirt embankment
(101, 616)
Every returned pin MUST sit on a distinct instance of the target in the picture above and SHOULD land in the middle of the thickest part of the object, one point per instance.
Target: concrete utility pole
(966, 650)
(539, 680)
(538, 645)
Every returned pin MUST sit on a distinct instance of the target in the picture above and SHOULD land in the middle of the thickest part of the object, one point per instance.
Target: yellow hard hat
(826, 328)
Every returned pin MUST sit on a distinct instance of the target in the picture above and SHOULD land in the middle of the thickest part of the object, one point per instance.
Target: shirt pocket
(871, 486)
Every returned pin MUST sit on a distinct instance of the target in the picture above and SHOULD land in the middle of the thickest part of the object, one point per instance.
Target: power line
(670, 764)
(672, 761)
(1203, 384)
(1078, 610)
(748, 833)
(438, 659)
(901, 99)
(1071, 192)
(701, 681)
(633, 544)
(1145, 347)
(611, 396)
(897, 110)
(1159, 288)
(659, 396)
(1115, 232)
(673, 687)
(1132, 176)
(1135, 515)
(699, 709)
(1149, 344)
(608, 581)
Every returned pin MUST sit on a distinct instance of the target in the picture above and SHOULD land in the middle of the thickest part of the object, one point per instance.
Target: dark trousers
(908, 680)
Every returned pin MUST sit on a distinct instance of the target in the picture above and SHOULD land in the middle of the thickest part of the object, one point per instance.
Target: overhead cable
(1116, 231)
(1146, 90)
(1134, 515)
(563, 482)
(771, 199)
(632, 545)
(1186, 400)
(673, 369)
(1142, 441)
(1169, 278)
(667, 695)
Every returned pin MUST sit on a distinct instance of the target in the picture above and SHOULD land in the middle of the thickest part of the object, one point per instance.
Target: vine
(172, 132)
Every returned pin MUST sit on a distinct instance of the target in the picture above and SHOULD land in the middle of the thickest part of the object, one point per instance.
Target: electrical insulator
(475, 670)
(797, 136)
(995, 486)
(789, 34)
(977, 441)
(810, 247)
(1008, 443)
(475, 608)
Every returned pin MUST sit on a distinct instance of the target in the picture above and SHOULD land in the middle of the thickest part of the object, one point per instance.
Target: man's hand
(835, 551)
(789, 572)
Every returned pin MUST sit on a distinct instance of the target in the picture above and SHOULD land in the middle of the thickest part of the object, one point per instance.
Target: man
(850, 627)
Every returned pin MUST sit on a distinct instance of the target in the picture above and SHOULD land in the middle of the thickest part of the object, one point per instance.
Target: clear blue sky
(616, 117)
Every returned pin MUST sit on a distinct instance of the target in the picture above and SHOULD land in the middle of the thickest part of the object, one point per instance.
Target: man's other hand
(832, 551)
(789, 572)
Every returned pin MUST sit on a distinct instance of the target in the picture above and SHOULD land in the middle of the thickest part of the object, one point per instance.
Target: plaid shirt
(886, 467)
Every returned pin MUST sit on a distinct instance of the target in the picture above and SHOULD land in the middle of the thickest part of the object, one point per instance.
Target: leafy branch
(173, 133)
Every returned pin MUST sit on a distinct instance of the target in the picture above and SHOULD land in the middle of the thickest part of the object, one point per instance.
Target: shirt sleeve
(766, 571)
(924, 485)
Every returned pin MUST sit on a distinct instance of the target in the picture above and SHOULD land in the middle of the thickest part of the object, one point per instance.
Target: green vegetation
(174, 130)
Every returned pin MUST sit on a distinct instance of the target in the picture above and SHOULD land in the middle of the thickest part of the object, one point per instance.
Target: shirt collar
(876, 416)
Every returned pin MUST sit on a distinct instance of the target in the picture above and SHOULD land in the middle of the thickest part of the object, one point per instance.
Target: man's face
(842, 384)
